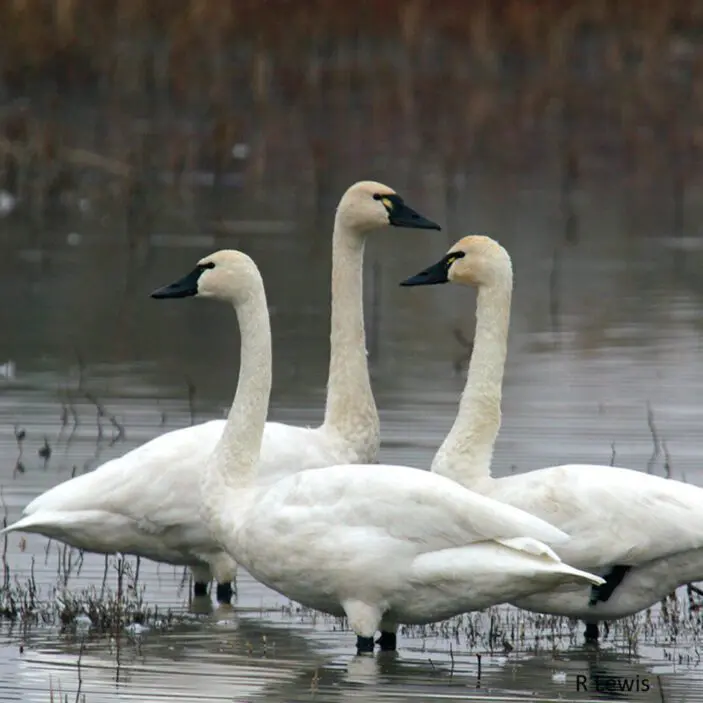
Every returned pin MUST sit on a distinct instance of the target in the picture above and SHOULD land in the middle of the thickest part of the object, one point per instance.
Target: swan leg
(364, 645)
(691, 590)
(388, 639)
(201, 579)
(364, 620)
(591, 632)
(199, 589)
(612, 580)
(224, 592)
(224, 569)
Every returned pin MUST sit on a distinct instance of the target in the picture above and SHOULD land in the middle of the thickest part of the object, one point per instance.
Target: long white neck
(350, 410)
(466, 453)
(233, 463)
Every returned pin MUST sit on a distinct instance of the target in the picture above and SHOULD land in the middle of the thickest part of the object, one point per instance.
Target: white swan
(145, 502)
(380, 544)
(643, 533)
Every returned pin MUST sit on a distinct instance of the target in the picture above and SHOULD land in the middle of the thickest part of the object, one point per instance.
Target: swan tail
(25, 524)
(536, 548)
(497, 571)
(92, 530)
(56, 524)
(580, 575)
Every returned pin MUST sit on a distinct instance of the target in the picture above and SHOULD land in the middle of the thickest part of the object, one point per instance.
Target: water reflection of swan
(388, 675)
(434, 675)
(248, 659)
(235, 659)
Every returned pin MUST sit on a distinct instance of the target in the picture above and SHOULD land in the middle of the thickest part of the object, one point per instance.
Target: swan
(642, 533)
(143, 503)
(379, 544)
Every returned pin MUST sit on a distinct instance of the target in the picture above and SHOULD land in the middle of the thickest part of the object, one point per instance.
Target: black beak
(183, 288)
(403, 216)
(437, 273)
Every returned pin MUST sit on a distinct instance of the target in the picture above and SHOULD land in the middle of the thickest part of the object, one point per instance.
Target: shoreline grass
(102, 608)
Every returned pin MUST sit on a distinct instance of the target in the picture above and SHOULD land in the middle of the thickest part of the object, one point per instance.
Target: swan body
(110, 509)
(642, 533)
(379, 544)
(146, 502)
(650, 527)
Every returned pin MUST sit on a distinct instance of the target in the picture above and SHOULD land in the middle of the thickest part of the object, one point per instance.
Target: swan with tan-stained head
(642, 533)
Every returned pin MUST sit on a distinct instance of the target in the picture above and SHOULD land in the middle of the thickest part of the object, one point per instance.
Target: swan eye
(387, 201)
(451, 258)
(208, 265)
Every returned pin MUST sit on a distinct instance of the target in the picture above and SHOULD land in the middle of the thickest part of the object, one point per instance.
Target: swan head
(225, 275)
(475, 260)
(369, 205)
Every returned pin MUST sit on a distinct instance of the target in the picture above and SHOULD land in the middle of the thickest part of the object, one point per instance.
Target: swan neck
(467, 452)
(350, 410)
(234, 460)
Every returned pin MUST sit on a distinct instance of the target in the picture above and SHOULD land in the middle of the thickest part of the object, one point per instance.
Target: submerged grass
(104, 609)
(675, 624)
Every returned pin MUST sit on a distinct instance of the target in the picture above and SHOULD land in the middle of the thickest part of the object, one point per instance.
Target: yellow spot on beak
(387, 203)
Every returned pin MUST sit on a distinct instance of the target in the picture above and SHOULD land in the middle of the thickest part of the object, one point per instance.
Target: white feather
(615, 517)
(379, 544)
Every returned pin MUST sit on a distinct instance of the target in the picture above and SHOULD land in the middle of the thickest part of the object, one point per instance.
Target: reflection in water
(225, 658)
(247, 659)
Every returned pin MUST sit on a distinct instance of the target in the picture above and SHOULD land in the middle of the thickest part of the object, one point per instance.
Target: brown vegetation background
(125, 90)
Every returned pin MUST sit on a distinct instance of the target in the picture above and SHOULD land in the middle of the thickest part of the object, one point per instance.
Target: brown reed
(471, 83)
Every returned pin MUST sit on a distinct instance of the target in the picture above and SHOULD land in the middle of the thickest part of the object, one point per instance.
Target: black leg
(224, 592)
(388, 641)
(199, 589)
(591, 632)
(691, 590)
(364, 644)
(600, 594)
